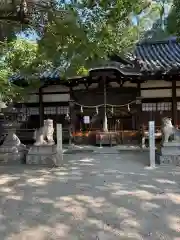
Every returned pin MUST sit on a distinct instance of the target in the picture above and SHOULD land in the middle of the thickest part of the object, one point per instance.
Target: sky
(31, 36)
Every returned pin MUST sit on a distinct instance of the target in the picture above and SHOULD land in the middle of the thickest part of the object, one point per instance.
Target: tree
(18, 15)
(174, 19)
(74, 35)
(21, 11)
(20, 57)
(90, 32)
(157, 19)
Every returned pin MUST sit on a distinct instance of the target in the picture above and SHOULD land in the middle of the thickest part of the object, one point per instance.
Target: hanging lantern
(81, 109)
(112, 110)
(129, 108)
(97, 110)
(67, 117)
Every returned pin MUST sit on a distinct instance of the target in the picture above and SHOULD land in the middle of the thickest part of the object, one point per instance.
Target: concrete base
(13, 157)
(44, 155)
(10, 154)
(168, 159)
(170, 153)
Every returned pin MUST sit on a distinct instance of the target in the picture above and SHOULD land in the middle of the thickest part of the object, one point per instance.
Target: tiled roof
(163, 56)
(149, 57)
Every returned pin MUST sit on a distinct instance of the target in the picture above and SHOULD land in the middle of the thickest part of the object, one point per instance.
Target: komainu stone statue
(168, 130)
(44, 135)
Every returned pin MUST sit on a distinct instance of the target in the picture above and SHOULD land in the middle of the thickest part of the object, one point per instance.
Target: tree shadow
(90, 197)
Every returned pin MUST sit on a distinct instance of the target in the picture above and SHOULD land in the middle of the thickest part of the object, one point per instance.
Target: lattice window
(33, 111)
(178, 105)
(63, 110)
(164, 106)
(50, 110)
(148, 107)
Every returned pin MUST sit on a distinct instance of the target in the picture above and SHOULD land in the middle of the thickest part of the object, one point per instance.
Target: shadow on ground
(90, 197)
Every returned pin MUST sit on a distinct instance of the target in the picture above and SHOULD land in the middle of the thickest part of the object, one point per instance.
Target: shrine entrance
(121, 123)
(105, 109)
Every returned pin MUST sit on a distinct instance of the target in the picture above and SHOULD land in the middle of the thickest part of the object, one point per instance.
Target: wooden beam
(139, 107)
(41, 107)
(174, 103)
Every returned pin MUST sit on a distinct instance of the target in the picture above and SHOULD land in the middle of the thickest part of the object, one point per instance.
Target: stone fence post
(59, 142)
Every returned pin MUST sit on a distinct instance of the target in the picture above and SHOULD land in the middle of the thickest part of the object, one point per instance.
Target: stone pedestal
(44, 155)
(12, 155)
(170, 153)
(12, 151)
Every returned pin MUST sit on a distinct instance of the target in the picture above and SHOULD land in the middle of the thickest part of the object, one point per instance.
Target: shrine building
(120, 95)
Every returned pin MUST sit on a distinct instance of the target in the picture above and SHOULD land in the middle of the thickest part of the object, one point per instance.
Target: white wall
(56, 88)
(156, 93)
(129, 84)
(80, 86)
(33, 98)
(93, 85)
(150, 83)
(65, 97)
(178, 83)
(178, 92)
(156, 83)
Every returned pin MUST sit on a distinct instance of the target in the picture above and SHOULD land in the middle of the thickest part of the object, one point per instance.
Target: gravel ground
(102, 197)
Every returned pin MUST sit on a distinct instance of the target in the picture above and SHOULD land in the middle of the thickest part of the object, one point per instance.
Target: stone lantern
(11, 149)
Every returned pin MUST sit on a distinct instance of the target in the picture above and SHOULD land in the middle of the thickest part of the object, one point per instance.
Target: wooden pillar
(72, 115)
(139, 107)
(105, 121)
(41, 108)
(139, 114)
(71, 109)
(174, 103)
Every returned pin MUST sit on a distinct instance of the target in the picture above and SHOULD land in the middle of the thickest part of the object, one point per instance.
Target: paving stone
(54, 204)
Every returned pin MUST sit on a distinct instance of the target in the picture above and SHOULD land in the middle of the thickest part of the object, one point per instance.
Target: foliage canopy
(71, 35)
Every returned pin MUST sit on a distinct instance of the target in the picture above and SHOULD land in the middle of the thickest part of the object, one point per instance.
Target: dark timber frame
(151, 61)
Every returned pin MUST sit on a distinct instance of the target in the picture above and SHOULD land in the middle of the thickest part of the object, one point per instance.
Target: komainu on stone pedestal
(44, 150)
(12, 149)
(168, 130)
(43, 155)
(44, 135)
(170, 150)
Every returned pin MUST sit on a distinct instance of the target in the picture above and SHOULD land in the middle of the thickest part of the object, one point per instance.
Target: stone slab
(170, 160)
(19, 157)
(42, 150)
(171, 144)
(170, 153)
(171, 150)
(44, 155)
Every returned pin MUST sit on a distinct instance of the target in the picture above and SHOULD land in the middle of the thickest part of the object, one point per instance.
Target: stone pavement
(92, 196)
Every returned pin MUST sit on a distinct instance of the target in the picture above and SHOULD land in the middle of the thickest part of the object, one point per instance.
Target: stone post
(59, 143)
(151, 144)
